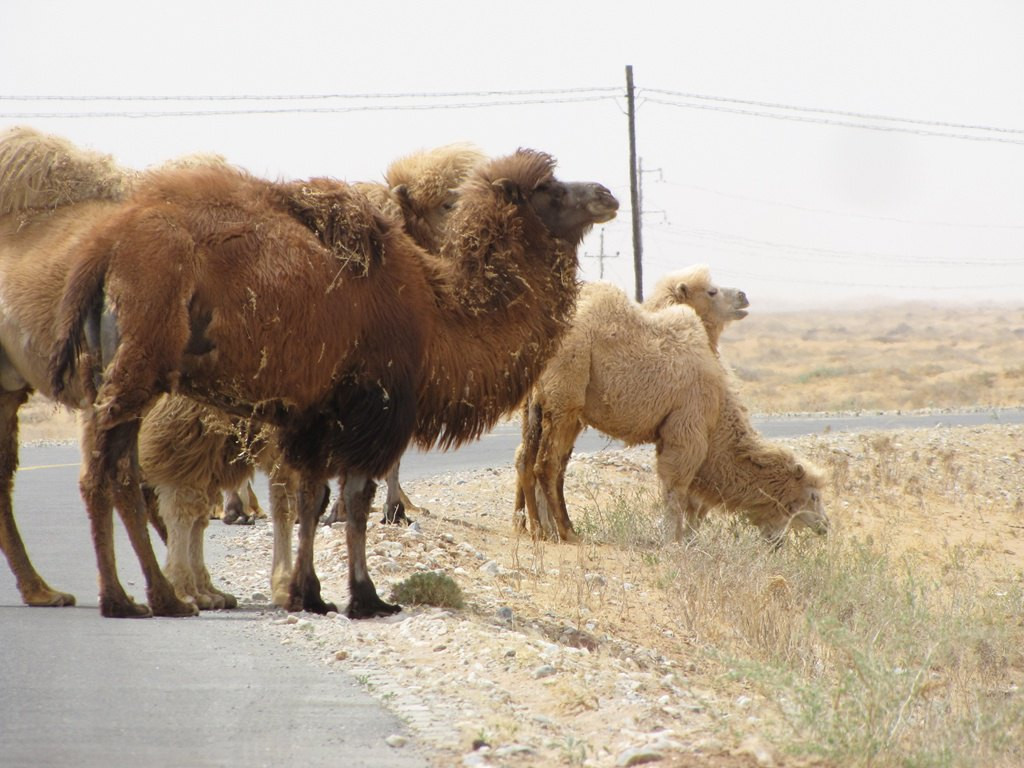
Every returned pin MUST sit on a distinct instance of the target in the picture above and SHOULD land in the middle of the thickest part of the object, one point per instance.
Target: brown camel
(716, 307)
(51, 195)
(190, 453)
(653, 377)
(299, 305)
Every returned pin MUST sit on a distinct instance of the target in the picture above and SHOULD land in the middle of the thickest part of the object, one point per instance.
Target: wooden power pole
(634, 187)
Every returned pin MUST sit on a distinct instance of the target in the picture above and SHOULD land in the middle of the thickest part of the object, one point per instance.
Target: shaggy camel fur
(191, 453)
(206, 275)
(653, 377)
(693, 287)
(51, 195)
(715, 306)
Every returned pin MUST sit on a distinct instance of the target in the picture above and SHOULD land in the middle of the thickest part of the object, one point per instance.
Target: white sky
(797, 213)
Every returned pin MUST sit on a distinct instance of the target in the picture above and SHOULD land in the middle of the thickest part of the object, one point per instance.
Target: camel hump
(39, 170)
(429, 177)
(342, 217)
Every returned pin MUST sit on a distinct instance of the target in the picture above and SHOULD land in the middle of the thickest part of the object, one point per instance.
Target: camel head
(716, 306)
(566, 209)
(803, 506)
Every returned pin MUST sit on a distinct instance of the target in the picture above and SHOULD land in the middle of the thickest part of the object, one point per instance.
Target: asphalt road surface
(80, 690)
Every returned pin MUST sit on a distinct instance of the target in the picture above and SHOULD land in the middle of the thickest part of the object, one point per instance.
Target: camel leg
(679, 454)
(216, 598)
(526, 482)
(34, 590)
(687, 525)
(396, 502)
(364, 602)
(131, 506)
(94, 483)
(179, 509)
(304, 591)
(242, 506)
(338, 513)
(557, 437)
(283, 506)
(153, 512)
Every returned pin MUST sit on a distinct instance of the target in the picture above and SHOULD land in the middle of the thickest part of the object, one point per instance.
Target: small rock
(510, 750)
(341, 655)
(258, 597)
(396, 740)
(544, 670)
(638, 756)
(491, 567)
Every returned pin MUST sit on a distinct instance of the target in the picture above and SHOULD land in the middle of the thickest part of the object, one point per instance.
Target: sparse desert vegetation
(883, 358)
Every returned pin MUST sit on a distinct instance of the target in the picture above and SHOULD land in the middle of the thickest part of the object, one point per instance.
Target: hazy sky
(793, 205)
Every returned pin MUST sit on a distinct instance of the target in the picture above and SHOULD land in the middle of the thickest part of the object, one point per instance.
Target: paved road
(79, 690)
(76, 689)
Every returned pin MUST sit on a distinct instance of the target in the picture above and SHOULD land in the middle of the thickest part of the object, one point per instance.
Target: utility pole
(634, 187)
(601, 256)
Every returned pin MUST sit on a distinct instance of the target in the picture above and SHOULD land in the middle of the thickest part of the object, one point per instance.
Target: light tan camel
(51, 195)
(716, 307)
(190, 453)
(653, 377)
(207, 275)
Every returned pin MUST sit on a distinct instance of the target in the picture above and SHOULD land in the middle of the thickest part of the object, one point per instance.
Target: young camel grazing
(715, 306)
(653, 377)
(191, 453)
(51, 195)
(207, 274)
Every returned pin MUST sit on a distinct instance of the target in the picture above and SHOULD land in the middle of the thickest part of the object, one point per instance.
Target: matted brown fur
(419, 196)
(210, 272)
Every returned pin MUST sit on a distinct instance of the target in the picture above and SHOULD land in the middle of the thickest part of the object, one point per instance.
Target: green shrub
(430, 588)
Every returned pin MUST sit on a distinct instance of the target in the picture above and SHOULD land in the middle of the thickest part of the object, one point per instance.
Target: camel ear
(682, 291)
(401, 194)
(510, 189)
(799, 472)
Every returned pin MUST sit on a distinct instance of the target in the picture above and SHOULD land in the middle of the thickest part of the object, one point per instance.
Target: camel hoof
(229, 601)
(395, 516)
(367, 608)
(50, 599)
(124, 609)
(312, 605)
(172, 607)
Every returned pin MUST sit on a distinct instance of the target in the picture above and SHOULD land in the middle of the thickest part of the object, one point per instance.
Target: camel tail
(78, 317)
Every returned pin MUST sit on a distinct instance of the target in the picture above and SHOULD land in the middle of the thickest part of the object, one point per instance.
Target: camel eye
(712, 291)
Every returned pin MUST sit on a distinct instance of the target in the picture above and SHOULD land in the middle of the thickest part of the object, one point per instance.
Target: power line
(811, 254)
(872, 217)
(838, 123)
(837, 112)
(296, 110)
(315, 96)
